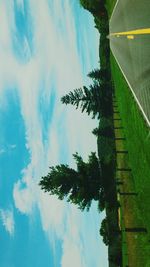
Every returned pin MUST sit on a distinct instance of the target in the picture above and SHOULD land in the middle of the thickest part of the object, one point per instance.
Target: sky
(46, 49)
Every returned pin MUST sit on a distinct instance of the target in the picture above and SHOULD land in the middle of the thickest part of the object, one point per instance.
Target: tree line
(94, 179)
(86, 183)
(91, 180)
(87, 176)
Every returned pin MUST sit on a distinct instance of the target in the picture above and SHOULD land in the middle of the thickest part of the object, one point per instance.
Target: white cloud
(82, 245)
(50, 55)
(13, 146)
(23, 198)
(72, 255)
(52, 213)
(26, 190)
(58, 55)
(72, 243)
(5, 150)
(7, 219)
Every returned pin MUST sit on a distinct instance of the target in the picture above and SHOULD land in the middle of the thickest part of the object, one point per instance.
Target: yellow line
(131, 37)
(133, 32)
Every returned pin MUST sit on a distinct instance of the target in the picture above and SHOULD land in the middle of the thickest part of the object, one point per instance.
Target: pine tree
(88, 99)
(99, 74)
(79, 186)
(104, 231)
(96, 7)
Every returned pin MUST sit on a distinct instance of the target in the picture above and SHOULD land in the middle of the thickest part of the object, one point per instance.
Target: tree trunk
(118, 180)
(136, 229)
(121, 151)
(118, 127)
(120, 138)
(119, 183)
(128, 194)
(124, 169)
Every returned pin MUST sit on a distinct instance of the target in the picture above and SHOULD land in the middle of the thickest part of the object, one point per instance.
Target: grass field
(135, 246)
(110, 6)
(138, 138)
(135, 211)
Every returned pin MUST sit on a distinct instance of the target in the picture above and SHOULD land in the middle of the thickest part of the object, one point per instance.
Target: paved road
(132, 51)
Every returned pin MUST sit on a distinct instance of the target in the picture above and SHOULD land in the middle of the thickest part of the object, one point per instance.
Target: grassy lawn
(110, 6)
(135, 211)
(135, 246)
(138, 139)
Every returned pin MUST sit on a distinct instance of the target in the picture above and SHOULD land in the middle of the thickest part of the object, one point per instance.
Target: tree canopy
(94, 100)
(105, 128)
(104, 232)
(99, 74)
(96, 7)
(79, 186)
(88, 99)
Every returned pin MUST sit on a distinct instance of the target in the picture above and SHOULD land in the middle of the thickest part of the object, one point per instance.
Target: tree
(104, 232)
(79, 186)
(102, 200)
(107, 132)
(96, 7)
(95, 100)
(99, 74)
(106, 147)
(88, 99)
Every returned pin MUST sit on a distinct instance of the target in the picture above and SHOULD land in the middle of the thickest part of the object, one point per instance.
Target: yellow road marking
(130, 37)
(131, 33)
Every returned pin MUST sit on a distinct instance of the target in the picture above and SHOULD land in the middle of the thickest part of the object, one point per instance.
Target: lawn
(135, 210)
(137, 139)
(135, 246)
(110, 6)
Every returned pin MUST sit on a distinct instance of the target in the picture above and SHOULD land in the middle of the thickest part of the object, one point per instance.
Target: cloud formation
(7, 219)
(52, 56)
(73, 249)
(51, 64)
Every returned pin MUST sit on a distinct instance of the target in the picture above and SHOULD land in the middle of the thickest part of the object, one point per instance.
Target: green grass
(138, 139)
(138, 145)
(110, 6)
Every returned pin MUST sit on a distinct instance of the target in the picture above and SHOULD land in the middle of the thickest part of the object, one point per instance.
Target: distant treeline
(95, 179)
(106, 139)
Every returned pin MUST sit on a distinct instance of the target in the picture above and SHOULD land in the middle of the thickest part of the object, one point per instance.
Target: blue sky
(46, 48)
